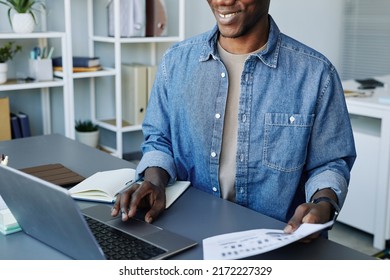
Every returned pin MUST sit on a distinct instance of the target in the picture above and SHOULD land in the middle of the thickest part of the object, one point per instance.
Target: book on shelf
(24, 124)
(79, 61)
(132, 17)
(15, 127)
(156, 18)
(152, 70)
(134, 92)
(79, 69)
(103, 186)
(20, 125)
(137, 83)
(5, 122)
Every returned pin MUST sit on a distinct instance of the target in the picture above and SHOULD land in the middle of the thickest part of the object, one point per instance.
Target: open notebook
(105, 185)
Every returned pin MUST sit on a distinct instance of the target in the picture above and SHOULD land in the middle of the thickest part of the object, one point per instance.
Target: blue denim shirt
(294, 132)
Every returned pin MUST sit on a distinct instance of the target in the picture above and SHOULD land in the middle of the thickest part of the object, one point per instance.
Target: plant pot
(23, 23)
(3, 72)
(90, 138)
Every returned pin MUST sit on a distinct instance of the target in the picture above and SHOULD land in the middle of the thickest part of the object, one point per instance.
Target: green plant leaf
(8, 51)
(84, 126)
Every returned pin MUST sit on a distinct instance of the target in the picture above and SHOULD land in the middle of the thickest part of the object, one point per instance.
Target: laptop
(48, 213)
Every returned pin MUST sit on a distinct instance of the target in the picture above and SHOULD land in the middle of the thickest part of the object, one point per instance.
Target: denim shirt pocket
(286, 138)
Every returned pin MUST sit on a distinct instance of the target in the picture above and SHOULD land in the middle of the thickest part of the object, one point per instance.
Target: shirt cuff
(156, 159)
(328, 179)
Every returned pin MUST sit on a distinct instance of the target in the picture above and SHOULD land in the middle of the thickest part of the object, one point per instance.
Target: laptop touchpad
(133, 226)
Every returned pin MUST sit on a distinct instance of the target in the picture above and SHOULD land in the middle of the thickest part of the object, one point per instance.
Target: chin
(230, 33)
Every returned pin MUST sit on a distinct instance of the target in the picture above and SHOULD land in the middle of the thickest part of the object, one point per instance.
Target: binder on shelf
(151, 71)
(79, 61)
(5, 122)
(16, 132)
(134, 92)
(156, 18)
(24, 123)
(132, 18)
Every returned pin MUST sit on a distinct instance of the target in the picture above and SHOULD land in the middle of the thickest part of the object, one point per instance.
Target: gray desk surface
(196, 214)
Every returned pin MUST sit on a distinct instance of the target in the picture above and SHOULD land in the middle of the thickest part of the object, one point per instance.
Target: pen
(128, 185)
(50, 53)
(43, 54)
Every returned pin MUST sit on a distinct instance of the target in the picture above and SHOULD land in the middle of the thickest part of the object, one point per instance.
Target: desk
(367, 206)
(195, 214)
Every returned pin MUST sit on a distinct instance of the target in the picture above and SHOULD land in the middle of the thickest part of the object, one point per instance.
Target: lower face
(239, 18)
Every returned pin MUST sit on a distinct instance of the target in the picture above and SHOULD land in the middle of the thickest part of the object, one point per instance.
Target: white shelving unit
(115, 71)
(44, 86)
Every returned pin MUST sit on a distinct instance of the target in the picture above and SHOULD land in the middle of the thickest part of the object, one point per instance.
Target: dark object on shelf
(369, 83)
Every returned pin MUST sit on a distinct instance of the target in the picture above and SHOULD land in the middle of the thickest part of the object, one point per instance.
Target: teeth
(227, 15)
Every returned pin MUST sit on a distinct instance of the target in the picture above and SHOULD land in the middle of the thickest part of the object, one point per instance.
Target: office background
(333, 27)
(353, 34)
(343, 30)
(314, 22)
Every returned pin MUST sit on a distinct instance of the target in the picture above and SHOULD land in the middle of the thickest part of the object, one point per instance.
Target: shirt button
(241, 190)
(242, 157)
(243, 118)
(214, 189)
(223, 75)
(213, 154)
(217, 116)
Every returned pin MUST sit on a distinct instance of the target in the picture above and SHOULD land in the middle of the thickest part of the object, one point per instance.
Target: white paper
(172, 192)
(238, 245)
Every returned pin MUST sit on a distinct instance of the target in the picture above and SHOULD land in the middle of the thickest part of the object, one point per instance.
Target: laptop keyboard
(117, 245)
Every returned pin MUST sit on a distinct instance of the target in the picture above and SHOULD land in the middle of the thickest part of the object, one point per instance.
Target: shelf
(34, 35)
(168, 39)
(94, 12)
(80, 75)
(111, 125)
(41, 39)
(21, 85)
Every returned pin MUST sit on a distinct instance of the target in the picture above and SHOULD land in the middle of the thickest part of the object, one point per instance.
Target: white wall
(198, 17)
(317, 23)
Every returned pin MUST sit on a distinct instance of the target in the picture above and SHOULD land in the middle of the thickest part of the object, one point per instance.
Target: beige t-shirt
(227, 169)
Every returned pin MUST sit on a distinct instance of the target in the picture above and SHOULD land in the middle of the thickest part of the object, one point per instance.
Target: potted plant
(7, 53)
(87, 132)
(23, 20)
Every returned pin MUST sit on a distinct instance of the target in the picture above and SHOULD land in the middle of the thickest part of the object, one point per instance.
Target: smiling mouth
(228, 15)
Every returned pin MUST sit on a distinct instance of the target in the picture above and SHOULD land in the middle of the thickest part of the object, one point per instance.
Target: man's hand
(149, 194)
(312, 213)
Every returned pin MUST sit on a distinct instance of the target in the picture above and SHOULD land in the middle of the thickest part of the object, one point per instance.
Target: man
(248, 114)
